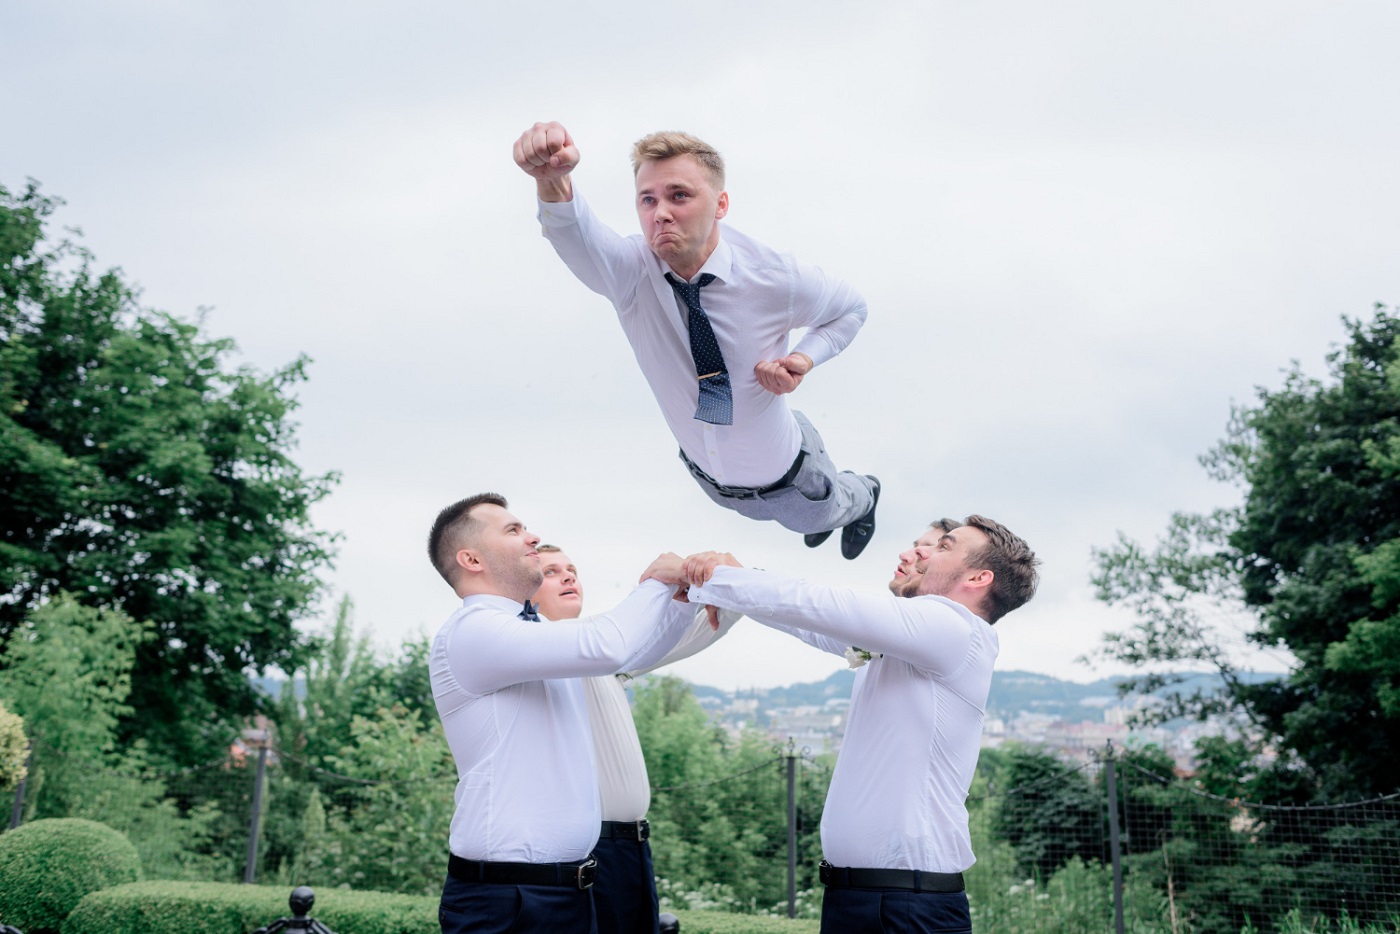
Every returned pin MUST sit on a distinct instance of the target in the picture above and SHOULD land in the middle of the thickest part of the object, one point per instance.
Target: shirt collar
(493, 600)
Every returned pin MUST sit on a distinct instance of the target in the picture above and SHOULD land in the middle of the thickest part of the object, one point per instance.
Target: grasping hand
(697, 568)
(783, 375)
(666, 568)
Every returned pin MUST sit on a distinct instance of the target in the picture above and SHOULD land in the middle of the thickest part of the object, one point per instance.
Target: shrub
(46, 867)
(169, 907)
(226, 908)
(714, 922)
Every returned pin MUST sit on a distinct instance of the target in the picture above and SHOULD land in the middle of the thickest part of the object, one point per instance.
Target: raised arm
(602, 259)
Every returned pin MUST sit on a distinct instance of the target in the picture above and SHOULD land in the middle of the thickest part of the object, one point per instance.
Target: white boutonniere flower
(855, 657)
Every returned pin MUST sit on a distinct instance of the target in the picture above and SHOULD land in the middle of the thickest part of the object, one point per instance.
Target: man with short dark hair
(894, 826)
(708, 312)
(507, 689)
(624, 892)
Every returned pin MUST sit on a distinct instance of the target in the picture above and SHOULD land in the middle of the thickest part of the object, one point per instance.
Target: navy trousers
(486, 908)
(894, 911)
(624, 894)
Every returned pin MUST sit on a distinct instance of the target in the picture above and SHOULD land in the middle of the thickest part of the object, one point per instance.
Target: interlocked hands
(683, 573)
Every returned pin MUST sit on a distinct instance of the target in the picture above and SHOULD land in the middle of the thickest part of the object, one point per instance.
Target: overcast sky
(1083, 230)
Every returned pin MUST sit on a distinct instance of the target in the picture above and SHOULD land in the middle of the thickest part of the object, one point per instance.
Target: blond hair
(667, 144)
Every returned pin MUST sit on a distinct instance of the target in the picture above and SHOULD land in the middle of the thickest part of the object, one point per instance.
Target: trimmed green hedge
(48, 866)
(227, 908)
(717, 922)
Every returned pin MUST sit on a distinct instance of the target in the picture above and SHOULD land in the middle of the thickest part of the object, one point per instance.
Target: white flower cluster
(855, 657)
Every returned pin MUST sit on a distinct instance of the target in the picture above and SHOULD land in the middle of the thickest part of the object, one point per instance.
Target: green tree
(1049, 812)
(78, 770)
(144, 474)
(14, 749)
(1311, 559)
(363, 792)
(1313, 553)
(719, 805)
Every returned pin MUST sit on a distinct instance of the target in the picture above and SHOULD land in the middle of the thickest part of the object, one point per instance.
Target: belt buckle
(643, 831)
(587, 872)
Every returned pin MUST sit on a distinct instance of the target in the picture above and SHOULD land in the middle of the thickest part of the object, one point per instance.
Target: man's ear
(470, 561)
(980, 580)
(722, 208)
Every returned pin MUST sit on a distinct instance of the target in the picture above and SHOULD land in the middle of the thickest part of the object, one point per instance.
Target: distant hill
(1012, 692)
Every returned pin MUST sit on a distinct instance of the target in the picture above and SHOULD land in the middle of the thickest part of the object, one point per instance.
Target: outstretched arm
(929, 632)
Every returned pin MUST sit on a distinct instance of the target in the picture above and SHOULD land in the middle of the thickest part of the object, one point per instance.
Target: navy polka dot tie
(529, 613)
(716, 400)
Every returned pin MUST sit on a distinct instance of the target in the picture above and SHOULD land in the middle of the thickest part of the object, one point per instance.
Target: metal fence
(1107, 846)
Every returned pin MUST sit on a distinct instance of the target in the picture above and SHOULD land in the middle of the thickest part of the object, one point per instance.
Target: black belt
(638, 830)
(911, 880)
(574, 875)
(745, 492)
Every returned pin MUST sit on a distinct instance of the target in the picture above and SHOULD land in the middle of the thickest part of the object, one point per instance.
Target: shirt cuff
(558, 213)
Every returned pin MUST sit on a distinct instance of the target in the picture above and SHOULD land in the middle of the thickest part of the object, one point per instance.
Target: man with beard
(709, 312)
(894, 826)
(624, 892)
(507, 690)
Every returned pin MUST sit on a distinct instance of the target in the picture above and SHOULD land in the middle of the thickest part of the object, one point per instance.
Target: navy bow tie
(528, 613)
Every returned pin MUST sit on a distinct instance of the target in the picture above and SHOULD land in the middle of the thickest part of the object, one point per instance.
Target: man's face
(680, 209)
(560, 595)
(947, 565)
(905, 582)
(507, 551)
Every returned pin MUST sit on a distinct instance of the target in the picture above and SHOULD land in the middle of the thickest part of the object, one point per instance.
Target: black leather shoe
(857, 535)
(813, 539)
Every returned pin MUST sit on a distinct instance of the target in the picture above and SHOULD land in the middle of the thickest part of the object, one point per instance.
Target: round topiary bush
(47, 866)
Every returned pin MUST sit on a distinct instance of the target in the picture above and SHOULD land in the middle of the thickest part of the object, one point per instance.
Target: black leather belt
(638, 830)
(910, 880)
(573, 875)
(745, 492)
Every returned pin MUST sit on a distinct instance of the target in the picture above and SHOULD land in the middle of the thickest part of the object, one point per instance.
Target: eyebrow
(669, 186)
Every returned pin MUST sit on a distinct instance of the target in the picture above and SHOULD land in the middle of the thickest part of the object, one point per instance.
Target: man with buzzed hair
(624, 893)
(894, 826)
(708, 312)
(508, 691)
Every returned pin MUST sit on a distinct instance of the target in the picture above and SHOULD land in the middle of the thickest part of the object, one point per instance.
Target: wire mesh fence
(1117, 844)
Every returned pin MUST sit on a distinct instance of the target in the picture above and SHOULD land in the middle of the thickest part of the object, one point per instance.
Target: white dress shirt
(512, 705)
(760, 296)
(898, 793)
(623, 785)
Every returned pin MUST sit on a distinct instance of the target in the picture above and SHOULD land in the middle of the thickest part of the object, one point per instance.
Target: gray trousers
(819, 498)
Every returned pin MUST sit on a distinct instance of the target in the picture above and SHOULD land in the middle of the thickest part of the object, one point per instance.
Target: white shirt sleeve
(930, 633)
(831, 309)
(492, 649)
(697, 635)
(607, 262)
